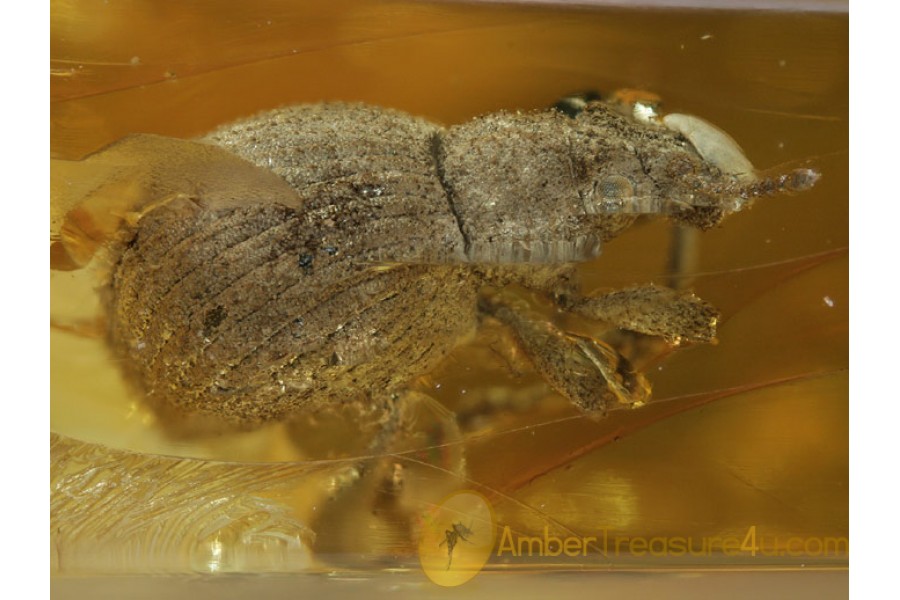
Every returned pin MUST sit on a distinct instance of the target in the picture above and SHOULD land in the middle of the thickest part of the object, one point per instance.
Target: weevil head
(701, 193)
(688, 169)
(690, 191)
(698, 169)
(639, 166)
(707, 176)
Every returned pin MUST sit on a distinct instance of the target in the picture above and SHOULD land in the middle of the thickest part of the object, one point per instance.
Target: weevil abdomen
(254, 325)
(252, 311)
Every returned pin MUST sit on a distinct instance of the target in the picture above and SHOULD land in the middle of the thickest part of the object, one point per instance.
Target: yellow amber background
(750, 432)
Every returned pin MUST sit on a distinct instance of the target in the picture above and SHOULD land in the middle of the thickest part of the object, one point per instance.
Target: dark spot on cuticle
(297, 327)
(306, 261)
(213, 319)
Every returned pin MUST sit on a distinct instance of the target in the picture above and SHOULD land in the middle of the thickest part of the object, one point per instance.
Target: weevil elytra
(333, 252)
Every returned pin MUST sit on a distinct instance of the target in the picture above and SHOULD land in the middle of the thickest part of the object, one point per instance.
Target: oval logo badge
(457, 538)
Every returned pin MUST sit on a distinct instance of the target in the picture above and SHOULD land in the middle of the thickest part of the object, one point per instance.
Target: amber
(746, 435)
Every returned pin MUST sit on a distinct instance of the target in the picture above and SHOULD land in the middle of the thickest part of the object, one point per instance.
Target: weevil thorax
(524, 187)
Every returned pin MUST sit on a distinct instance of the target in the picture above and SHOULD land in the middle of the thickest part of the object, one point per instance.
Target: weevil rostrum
(332, 253)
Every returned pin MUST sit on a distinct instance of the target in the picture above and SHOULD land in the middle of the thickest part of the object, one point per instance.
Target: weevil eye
(616, 187)
(612, 194)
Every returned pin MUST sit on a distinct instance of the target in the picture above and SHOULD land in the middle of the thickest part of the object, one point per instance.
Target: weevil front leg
(594, 376)
(674, 304)
(676, 316)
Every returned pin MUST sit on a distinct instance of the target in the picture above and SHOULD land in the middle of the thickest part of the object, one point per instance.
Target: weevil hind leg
(412, 457)
(368, 435)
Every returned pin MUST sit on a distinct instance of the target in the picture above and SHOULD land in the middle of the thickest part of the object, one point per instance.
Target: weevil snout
(714, 178)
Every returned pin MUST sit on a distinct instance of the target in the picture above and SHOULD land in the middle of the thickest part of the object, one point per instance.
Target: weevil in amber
(316, 253)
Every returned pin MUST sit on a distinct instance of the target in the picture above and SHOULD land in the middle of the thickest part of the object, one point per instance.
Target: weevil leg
(684, 257)
(647, 321)
(359, 431)
(371, 433)
(681, 267)
(591, 374)
(673, 315)
(415, 458)
(642, 323)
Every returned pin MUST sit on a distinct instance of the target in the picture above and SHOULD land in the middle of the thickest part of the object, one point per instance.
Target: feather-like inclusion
(120, 511)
